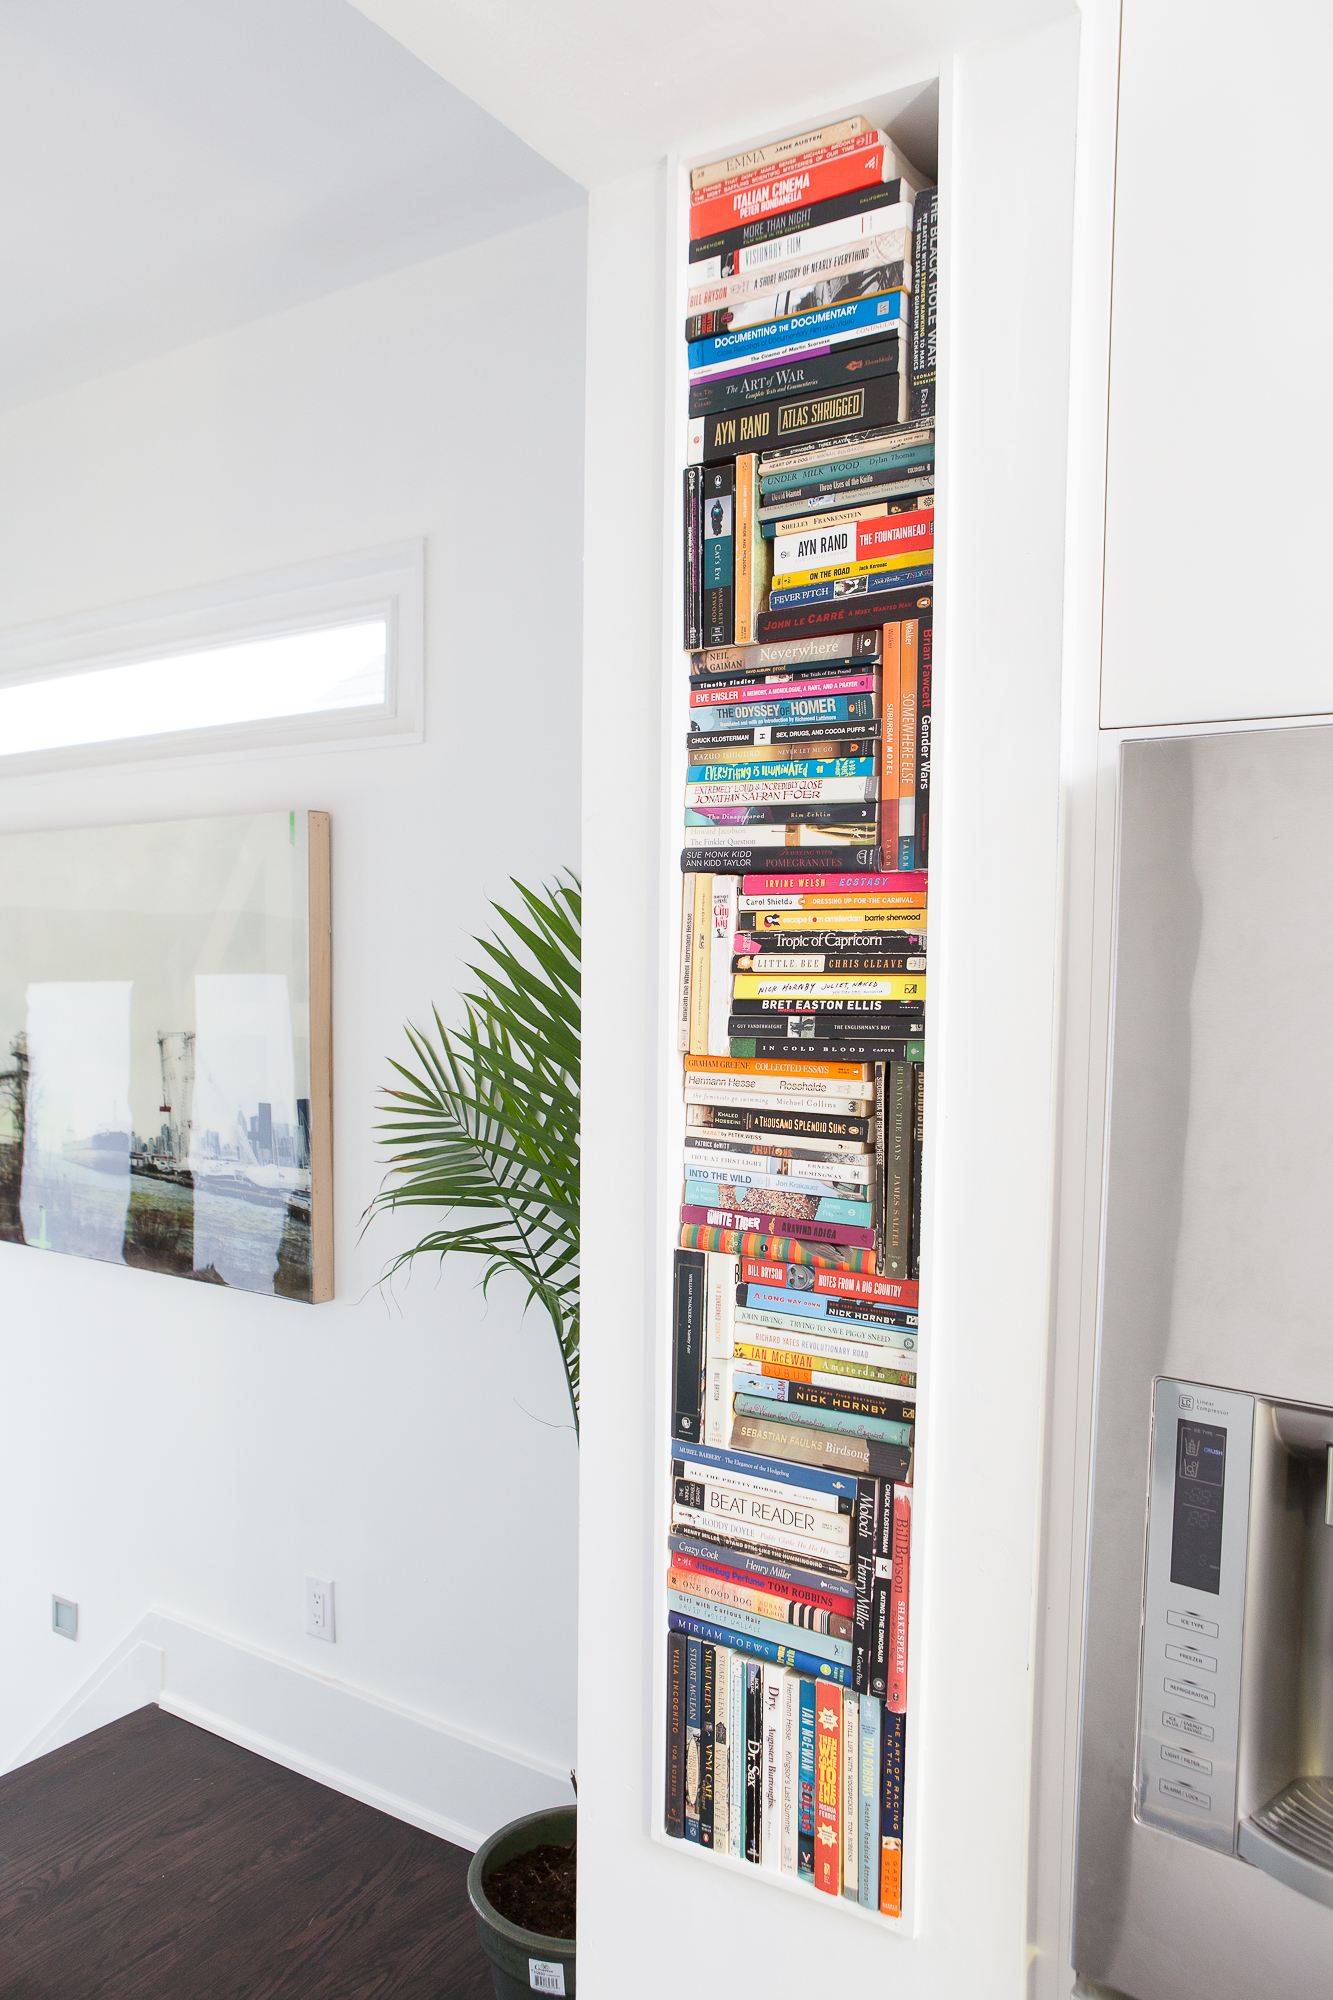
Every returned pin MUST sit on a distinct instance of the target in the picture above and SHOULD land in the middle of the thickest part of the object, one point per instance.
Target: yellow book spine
(797, 579)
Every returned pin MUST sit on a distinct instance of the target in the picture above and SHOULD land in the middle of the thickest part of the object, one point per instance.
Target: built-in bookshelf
(721, 1587)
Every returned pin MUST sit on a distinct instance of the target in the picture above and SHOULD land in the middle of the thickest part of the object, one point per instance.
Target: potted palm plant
(482, 1129)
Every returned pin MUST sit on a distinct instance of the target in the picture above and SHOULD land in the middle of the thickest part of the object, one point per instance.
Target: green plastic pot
(518, 1956)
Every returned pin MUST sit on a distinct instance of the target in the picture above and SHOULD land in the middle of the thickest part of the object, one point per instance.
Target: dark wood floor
(152, 1861)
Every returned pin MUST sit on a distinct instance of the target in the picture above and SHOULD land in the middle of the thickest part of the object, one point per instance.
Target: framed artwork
(165, 1049)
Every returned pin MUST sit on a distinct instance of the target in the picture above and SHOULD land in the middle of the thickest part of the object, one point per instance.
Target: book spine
(840, 1423)
(868, 1803)
(897, 1259)
(688, 1343)
(907, 760)
(868, 403)
(754, 1761)
(832, 653)
(746, 860)
(773, 341)
(764, 1650)
(817, 141)
(864, 588)
(808, 375)
(675, 1735)
(740, 1121)
(719, 603)
(783, 287)
(694, 1669)
(853, 1456)
(707, 1720)
(925, 272)
(701, 972)
(805, 1814)
(884, 489)
(737, 1747)
(753, 1572)
(828, 1792)
(722, 1277)
(868, 1497)
(918, 1146)
(891, 1814)
(835, 1395)
(816, 1558)
(722, 925)
(850, 1802)
(790, 1777)
(749, 1625)
(880, 1606)
(693, 636)
(816, 177)
(805, 1318)
(758, 1221)
(923, 681)
(770, 1838)
(873, 1291)
(888, 1050)
(686, 962)
(753, 552)
(896, 1695)
(722, 1750)
(850, 615)
(881, 1071)
(813, 548)
(858, 201)
(755, 1602)
(748, 1243)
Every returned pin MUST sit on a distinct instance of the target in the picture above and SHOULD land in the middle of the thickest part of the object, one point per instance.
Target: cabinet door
(1220, 462)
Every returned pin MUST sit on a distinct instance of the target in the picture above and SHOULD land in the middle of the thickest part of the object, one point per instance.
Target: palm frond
(484, 1123)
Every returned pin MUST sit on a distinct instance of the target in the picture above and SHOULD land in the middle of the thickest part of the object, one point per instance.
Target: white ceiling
(606, 87)
(170, 168)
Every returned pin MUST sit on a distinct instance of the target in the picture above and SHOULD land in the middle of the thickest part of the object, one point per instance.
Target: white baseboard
(435, 1775)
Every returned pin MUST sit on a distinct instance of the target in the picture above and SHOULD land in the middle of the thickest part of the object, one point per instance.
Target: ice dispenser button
(1187, 1622)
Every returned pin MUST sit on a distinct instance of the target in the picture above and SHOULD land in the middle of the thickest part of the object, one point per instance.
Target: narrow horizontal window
(260, 680)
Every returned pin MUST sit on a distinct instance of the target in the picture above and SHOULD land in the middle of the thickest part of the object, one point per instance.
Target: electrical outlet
(319, 1608)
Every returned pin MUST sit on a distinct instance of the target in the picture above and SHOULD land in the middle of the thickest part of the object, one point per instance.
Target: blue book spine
(884, 1428)
(718, 1460)
(778, 1655)
(805, 1822)
(852, 1214)
(786, 767)
(774, 484)
(760, 714)
(693, 1734)
(865, 586)
(752, 1624)
(818, 1305)
(888, 309)
(867, 1889)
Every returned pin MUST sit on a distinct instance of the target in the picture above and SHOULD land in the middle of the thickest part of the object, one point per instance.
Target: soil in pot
(537, 1889)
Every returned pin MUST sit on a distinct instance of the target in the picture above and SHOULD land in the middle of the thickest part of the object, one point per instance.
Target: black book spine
(675, 1736)
(856, 362)
(850, 1402)
(688, 1350)
(925, 291)
(789, 222)
(840, 813)
(754, 1759)
(918, 1133)
(780, 860)
(787, 420)
(880, 1599)
(923, 680)
(852, 614)
(821, 1049)
(708, 1693)
(693, 635)
(719, 552)
(899, 1176)
(863, 1576)
(736, 1119)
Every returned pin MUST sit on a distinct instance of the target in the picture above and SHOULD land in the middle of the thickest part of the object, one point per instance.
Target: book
(828, 1791)
(754, 1625)
(821, 985)
(867, 203)
(767, 1476)
(792, 460)
(867, 588)
(718, 554)
(834, 324)
(829, 652)
(883, 1430)
(708, 1582)
(707, 1719)
(754, 1759)
(722, 1275)
(909, 641)
(701, 962)
(814, 141)
(733, 1511)
(773, 711)
(687, 1371)
(770, 960)
(896, 1693)
(736, 1744)
(686, 962)
(744, 860)
(789, 1777)
(885, 1346)
(794, 1126)
(794, 1365)
(817, 1388)
(925, 265)
(812, 549)
(753, 553)
(805, 1814)
(868, 1498)
(805, 375)
(784, 1579)
(768, 297)
(885, 1291)
(796, 1210)
(867, 400)
(874, 488)
(722, 925)
(693, 1734)
(817, 1557)
(887, 1050)
(807, 1318)
(770, 1838)
(852, 1455)
(723, 1656)
(846, 616)
(753, 1243)
(805, 257)
(898, 1172)
(881, 1596)
(774, 1655)
(869, 1790)
(895, 890)
(693, 608)
(918, 1148)
(677, 1646)
(894, 1728)
(924, 678)
(777, 188)
(850, 1803)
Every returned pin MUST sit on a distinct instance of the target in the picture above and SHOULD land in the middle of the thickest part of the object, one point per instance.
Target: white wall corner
(130, 1678)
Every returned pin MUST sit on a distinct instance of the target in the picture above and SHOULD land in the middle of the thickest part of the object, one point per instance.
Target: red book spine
(908, 883)
(840, 1604)
(772, 190)
(896, 1699)
(848, 616)
(828, 1790)
(840, 1284)
(797, 1226)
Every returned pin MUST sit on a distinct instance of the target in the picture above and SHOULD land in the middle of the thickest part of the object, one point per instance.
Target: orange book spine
(891, 1816)
(828, 1789)
(909, 647)
(896, 1698)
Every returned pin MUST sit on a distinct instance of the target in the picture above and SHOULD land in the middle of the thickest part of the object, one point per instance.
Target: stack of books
(809, 553)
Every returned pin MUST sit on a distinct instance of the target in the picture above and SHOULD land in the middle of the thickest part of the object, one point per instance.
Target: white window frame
(386, 583)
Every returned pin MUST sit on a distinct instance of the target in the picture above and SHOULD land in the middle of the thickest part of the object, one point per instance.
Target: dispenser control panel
(1193, 1610)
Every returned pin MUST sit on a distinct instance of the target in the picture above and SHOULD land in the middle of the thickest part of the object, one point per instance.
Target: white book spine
(767, 1492)
(725, 889)
(859, 833)
(791, 1768)
(690, 1520)
(749, 295)
(715, 1163)
(686, 961)
(770, 1837)
(893, 221)
(737, 1756)
(859, 1342)
(850, 1815)
(746, 1086)
(780, 791)
(722, 1275)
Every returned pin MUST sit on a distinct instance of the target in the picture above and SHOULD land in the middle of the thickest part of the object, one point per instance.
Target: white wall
(1007, 150)
(174, 1445)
